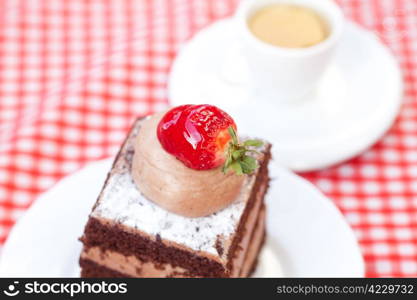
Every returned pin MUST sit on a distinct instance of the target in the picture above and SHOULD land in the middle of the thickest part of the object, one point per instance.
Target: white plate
(354, 104)
(307, 235)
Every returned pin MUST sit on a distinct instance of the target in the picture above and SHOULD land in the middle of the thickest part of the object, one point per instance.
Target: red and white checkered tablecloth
(74, 74)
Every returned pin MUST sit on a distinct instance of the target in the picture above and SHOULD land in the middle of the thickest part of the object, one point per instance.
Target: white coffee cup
(282, 74)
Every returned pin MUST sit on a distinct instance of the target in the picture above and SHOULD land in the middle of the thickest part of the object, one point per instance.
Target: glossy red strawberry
(204, 137)
(196, 134)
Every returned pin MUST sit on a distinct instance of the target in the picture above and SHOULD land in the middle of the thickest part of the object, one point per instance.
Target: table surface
(74, 75)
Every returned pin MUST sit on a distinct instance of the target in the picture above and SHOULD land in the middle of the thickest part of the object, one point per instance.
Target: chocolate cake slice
(127, 235)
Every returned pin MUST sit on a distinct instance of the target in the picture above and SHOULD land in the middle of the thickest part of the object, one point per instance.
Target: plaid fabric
(74, 74)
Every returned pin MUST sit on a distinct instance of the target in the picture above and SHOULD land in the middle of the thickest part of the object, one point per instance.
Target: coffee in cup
(289, 26)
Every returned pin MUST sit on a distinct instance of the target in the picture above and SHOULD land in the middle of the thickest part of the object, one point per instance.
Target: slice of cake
(184, 198)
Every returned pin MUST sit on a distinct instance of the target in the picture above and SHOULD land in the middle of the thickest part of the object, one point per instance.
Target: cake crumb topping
(122, 202)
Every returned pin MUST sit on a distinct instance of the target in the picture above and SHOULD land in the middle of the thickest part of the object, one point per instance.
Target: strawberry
(204, 137)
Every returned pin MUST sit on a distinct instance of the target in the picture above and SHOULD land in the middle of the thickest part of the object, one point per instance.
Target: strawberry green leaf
(245, 168)
(238, 153)
(250, 162)
(253, 143)
(233, 135)
(237, 158)
(237, 168)
(227, 164)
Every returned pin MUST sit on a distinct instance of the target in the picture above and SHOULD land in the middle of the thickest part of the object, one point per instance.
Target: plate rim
(361, 272)
(107, 162)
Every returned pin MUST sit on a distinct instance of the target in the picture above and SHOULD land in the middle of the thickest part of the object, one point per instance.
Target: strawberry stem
(237, 158)
(233, 135)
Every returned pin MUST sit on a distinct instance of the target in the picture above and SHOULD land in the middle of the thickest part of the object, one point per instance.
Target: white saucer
(354, 104)
(307, 235)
